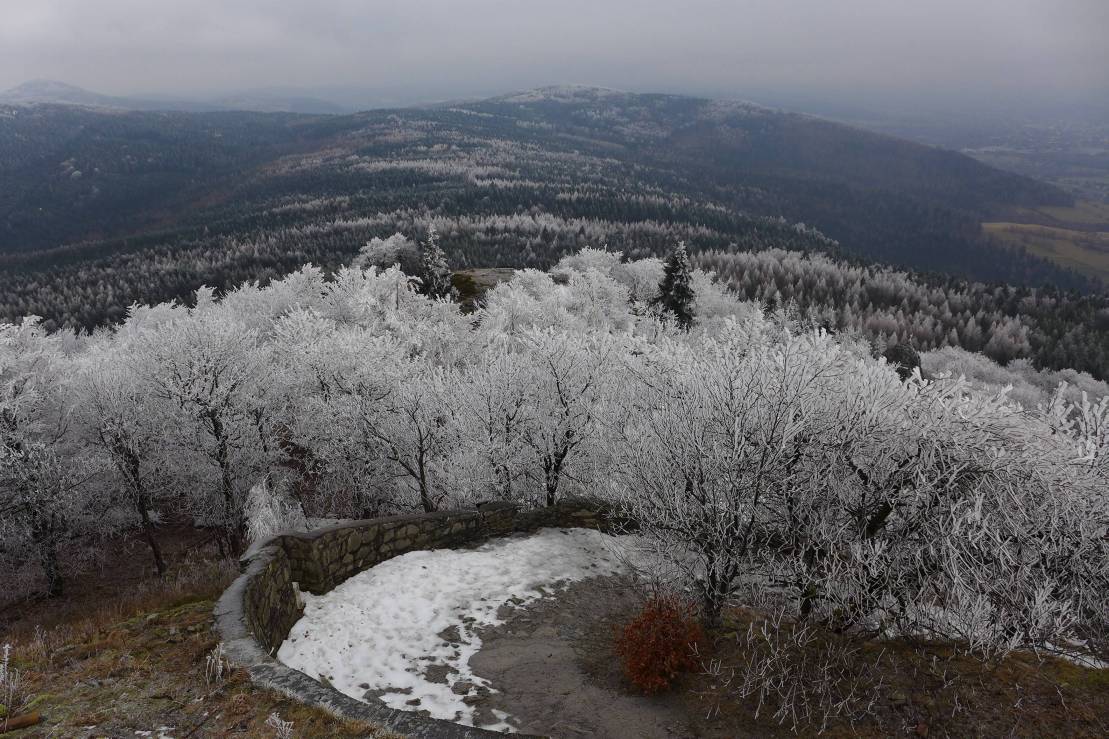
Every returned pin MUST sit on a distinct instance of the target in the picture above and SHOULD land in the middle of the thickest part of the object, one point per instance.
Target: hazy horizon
(876, 53)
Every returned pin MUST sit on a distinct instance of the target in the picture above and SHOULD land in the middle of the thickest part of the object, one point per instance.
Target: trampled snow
(382, 629)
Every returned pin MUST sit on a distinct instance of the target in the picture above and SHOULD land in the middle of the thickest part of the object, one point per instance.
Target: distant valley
(1067, 146)
(104, 208)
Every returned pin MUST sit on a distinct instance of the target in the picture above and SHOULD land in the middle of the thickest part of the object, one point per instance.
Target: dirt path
(553, 665)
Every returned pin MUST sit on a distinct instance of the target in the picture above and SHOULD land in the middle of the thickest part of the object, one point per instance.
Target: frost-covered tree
(384, 253)
(332, 388)
(709, 440)
(531, 299)
(435, 275)
(208, 376)
(783, 461)
(42, 504)
(768, 463)
(569, 377)
(1084, 425)
(115, 414)
(495, 405)
(417, 432)
(41, 477)
(1028, 386)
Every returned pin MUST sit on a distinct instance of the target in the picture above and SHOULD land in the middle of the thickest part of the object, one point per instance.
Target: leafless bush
(20, 576)
(281, 729)
(804, 676)
(216, 667)
(42, 643)
(12, 690)
(270, 509)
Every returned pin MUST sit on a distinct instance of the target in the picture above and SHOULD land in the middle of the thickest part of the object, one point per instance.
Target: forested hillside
(1054, 330)
(78, 174)
(104, 208)
(739, 441)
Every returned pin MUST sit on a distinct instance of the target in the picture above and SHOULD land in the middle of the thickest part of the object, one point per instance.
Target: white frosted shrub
(270, 510)
(603, 261)
(881, 506)
(766, 464)
(1029, 387)
(384, 253)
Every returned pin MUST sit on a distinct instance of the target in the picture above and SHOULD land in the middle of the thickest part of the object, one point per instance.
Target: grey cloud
(895, 47)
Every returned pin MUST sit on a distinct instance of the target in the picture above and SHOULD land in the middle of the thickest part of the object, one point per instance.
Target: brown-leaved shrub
(658, 644)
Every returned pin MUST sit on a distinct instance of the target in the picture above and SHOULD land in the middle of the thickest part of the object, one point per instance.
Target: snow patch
(404, 631)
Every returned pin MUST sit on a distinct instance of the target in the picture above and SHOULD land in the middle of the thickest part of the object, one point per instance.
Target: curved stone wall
(256, 612)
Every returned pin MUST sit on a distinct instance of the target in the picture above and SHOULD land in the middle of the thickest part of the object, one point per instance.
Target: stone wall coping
(397, 519)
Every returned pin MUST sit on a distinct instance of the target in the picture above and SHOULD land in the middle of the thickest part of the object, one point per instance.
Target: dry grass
(936, 690)
(473, 284)
(70, 620)
(1085, 251)
(918, 689)
(1084, 212)
(1084, 215)
(140, 661)
(113, 678)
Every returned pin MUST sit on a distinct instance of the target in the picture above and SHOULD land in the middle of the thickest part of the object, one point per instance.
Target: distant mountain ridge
(52, 91)
(749, 137)
(260, 101)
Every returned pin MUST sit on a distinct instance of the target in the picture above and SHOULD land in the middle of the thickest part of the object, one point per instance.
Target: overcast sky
(932, 48)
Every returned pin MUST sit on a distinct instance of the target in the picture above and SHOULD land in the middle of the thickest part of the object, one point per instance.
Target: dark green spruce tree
(435, 275)
(676, 289)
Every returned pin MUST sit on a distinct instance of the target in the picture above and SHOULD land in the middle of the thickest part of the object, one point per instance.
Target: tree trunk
(714, 592)
(148, 532)
(552, 472)
(808, 591)
(235, 539)
(711, 607)
(425, 494)
(48, 552)
(142, 504)
(43, 535)
(233, 524)
(426, 501)
(552, 488)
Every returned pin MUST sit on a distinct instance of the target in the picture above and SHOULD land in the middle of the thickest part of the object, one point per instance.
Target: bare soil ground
(554, 667)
